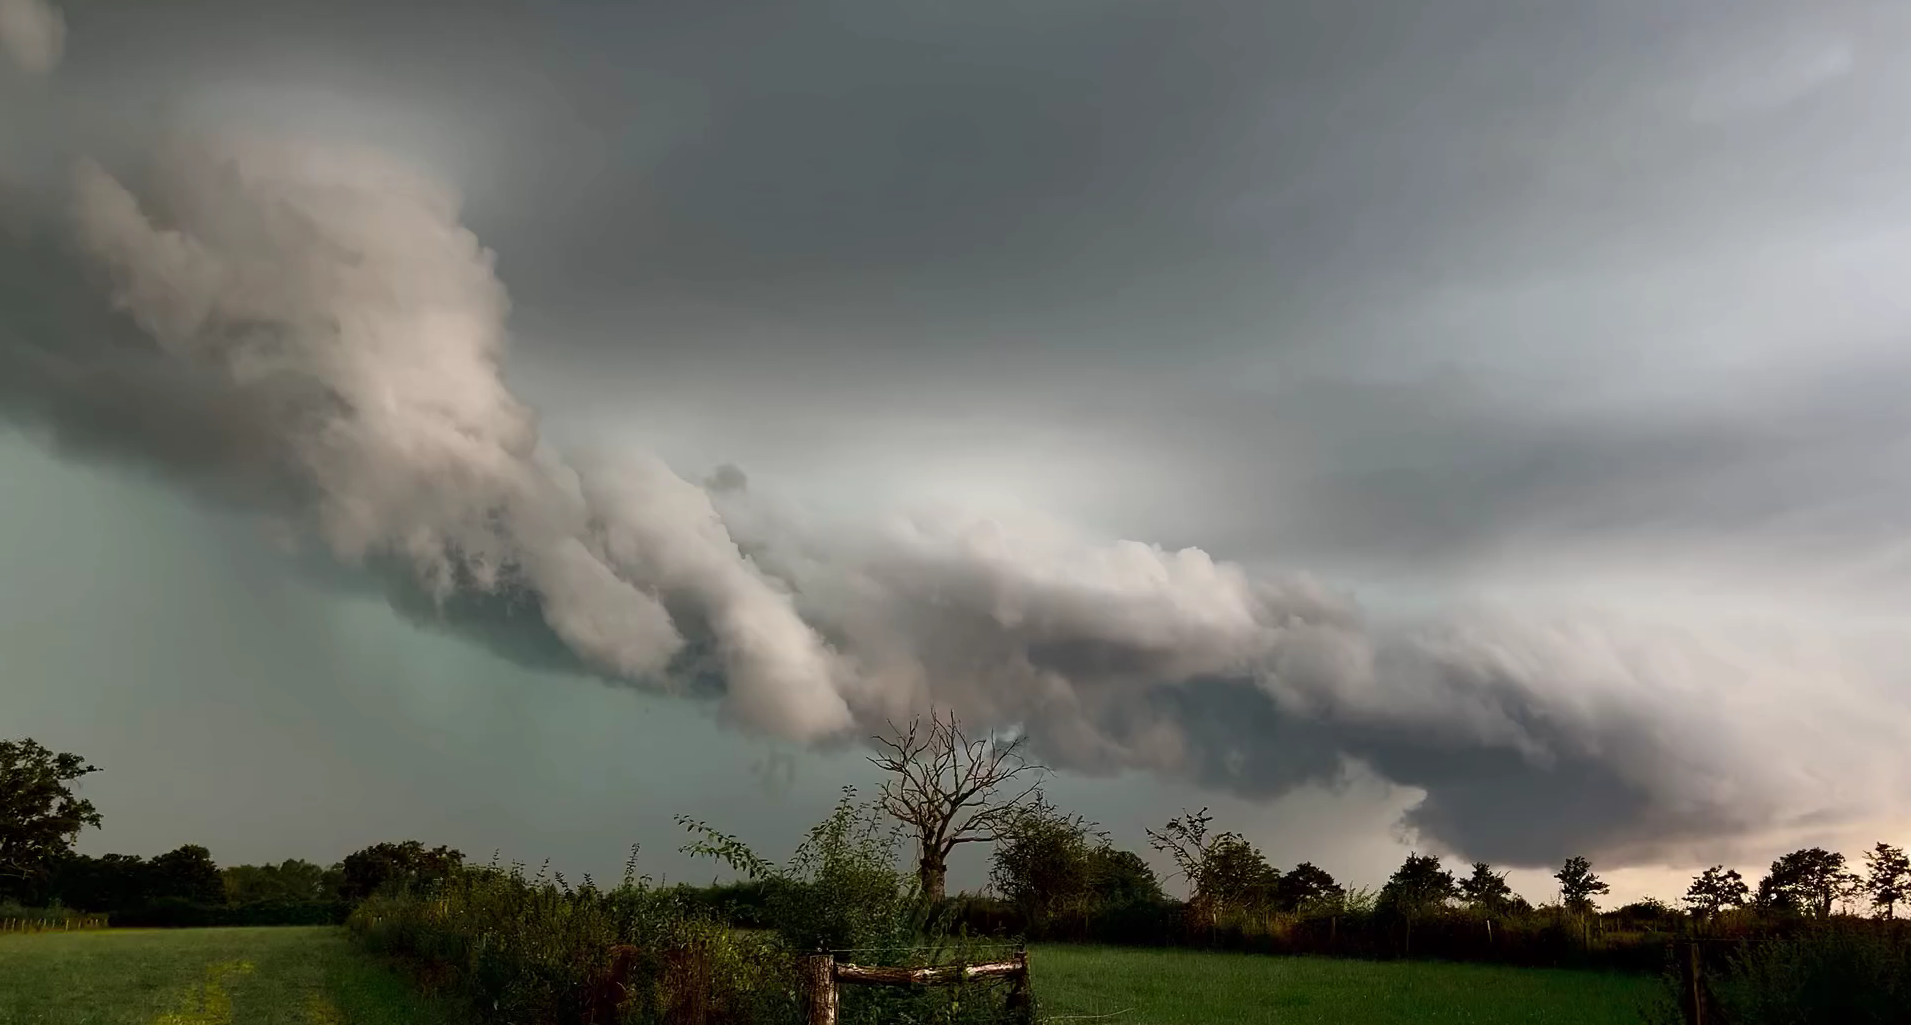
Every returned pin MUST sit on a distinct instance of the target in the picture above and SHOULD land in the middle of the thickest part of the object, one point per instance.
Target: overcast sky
(1530, 374)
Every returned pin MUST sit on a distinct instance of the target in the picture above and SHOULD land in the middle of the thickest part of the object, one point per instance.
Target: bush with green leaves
(844, 892)
(539, 949)
(1043, 864)
(841, 889)
(1852, 973)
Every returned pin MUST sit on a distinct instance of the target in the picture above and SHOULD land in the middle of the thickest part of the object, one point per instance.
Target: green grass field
(287, 976)
(313, 977)
(1176, 987)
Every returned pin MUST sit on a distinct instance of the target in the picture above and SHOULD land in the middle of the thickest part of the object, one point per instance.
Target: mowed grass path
(282, 976)
(1182, 987)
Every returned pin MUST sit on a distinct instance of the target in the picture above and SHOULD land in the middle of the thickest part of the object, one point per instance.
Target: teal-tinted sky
(242, 708)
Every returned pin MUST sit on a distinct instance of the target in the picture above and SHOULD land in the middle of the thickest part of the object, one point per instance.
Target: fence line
(76, 923)
(824, 976)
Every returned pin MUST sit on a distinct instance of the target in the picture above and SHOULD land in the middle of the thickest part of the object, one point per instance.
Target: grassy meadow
(1183, 987)
(312, 976)
(262, 976)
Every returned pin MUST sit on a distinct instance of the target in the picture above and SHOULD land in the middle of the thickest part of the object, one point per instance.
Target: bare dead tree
(950, 789)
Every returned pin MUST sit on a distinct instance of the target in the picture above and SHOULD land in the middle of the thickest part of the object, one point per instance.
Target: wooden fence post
(1020, 1004)
(820, 973)
(1692, 982)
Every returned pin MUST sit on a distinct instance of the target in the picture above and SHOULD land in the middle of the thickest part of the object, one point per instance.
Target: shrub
(1853, 972)
(842, 888)
(744, 905)
(539, 949)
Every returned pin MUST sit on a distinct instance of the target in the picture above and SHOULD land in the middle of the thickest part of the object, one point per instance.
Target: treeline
(186, 888)
(1056, 876)
(41, 876)
(1815, 940)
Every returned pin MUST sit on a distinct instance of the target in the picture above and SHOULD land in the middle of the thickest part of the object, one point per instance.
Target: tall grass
(1853, 972)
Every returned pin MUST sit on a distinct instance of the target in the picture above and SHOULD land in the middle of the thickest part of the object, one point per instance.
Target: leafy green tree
(1042, 862)
(407, 864)
(1485, 889)
(1419, 885)
(1184, 840)
(1048, 863)
(1810, 880)
(1716, 889)
(1236, 876)
(125, 882)
(1887, 878)
(41, 815)
(187, 874)
(110, 882)
(1774, 898)
(1417, 888)
(1223, 870)
(292, 880)
(1118, 878)
(1307, 884)
(1578, 885)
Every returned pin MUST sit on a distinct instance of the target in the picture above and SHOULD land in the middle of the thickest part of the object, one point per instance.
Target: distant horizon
(969, 867)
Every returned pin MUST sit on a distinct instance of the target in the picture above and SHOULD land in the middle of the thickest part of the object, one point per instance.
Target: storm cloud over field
(1504, 404)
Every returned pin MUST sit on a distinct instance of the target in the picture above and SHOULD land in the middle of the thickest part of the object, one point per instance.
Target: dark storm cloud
(1271, 258)
(1090, 179)
(1492, 802)
(1228, 236)
(1447, 473)
(1508, 811)
(1081, 178)
(95, 383)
